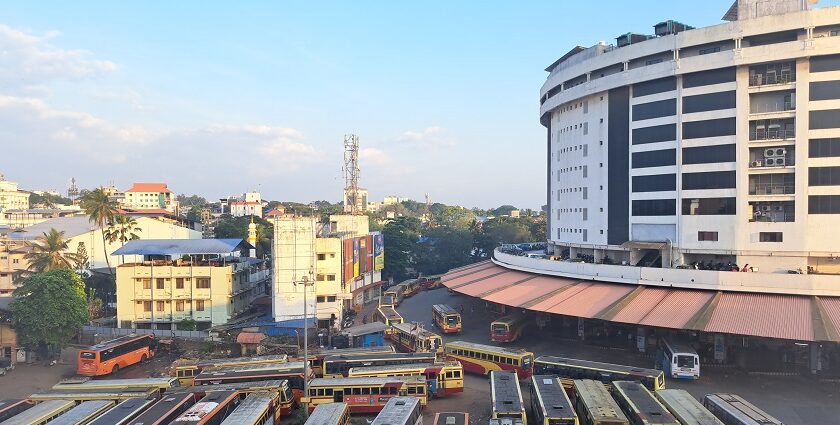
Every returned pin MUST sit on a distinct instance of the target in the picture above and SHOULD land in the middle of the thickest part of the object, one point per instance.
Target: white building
(12, 198)
(711, 145)
(361, 199)
(150, 196)
(250, 204)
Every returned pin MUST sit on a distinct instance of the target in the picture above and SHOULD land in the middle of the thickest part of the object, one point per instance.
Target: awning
(791, 317)
(366, 329)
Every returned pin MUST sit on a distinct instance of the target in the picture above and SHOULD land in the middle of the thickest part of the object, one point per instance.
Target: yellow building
(150, 196)
(12, 198)
(200, 279)
(8, 337)
(12, 261)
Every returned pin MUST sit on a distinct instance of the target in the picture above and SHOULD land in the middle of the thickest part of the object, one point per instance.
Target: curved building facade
(700, 148)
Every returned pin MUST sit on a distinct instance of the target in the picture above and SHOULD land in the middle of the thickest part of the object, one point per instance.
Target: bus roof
(646, 406)
(420, 367)
(290, 367)
(387, 356)
(116, 383)
(510, 319)
(46, 408)
(506, 394)
(254, 405)
(686, 408)
(609, 367)
(327, 414)
(208, 404)
(552, 397)
(111, 343)
(82, 412)
(123, 411)
(490, 348)
(163, 409)
(444, 309)
(415, 329)
(330, 382)
(388, 311)
(451, 418)
(387, 348)
(95, 394)
(598, 401)
(242, 387)
(739, 407)
(278, 358)
(397, 411)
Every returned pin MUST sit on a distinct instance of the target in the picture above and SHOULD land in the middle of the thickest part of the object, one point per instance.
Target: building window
(707, 236)
(331, 299)
(159, 306)
(199, 305)
(179, 283)
(710, 50)
(770, 236)
(330, 278)
(179, 305)
(147, 283)
(15, 260)
(319, 299)
(708, 206)
(202, 283)
(159, 283)
(322, 257)
(147, 306)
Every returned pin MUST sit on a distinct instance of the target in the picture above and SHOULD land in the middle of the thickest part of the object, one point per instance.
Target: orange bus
(446, 318)
(507, 328)
(111, 356)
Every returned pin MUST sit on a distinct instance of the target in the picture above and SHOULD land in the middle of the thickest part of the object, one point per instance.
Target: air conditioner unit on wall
(758, 163)
(770, 162)
(769, 153)
(781, 152)
(780, 162)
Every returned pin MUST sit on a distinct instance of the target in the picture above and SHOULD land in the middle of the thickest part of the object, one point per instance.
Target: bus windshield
(452, 320)
(499, 328)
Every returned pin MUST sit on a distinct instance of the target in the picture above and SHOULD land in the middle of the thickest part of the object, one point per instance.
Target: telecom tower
(351, 175)
(72, 191)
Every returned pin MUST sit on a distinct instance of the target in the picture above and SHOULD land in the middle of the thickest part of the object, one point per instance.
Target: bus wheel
(143, 358)
(115, 369)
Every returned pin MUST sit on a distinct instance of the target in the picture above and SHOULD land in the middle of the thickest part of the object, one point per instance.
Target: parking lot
(792, 399)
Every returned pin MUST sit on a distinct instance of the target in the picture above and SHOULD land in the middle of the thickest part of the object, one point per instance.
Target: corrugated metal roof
(366, 329)
(477, 275)
(181, 246)
(529, 290)
(71, 226)
(592, 300)
(831, 307)
(677, 308)
(452, 278)
(496, 282)
(645, 302)
(773, 316)
(557, 298)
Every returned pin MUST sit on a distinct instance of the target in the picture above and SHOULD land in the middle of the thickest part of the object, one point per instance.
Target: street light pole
(306, 284)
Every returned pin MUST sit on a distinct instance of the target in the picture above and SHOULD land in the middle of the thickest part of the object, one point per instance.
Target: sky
(219, 98)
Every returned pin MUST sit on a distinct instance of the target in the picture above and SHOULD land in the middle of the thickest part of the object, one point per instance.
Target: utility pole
(351, 174)
(307, 282)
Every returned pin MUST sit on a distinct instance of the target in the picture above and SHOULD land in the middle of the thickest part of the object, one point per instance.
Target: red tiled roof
(774, 316)
(149, 187)
(250, 337)
(244, 203)
(272, 213)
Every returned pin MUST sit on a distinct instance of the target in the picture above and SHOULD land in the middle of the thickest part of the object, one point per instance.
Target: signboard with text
(378, 251)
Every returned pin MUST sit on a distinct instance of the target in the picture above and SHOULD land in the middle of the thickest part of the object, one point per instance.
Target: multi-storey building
(698, 147)
(12, 262)
(360, 198)
(204, 280)
(150, 196)
(12, 198)
(250, 203)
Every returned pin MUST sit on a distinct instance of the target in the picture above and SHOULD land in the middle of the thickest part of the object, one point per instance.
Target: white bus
(679, 360)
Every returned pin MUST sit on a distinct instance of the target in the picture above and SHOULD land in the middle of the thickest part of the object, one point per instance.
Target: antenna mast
(351, 174)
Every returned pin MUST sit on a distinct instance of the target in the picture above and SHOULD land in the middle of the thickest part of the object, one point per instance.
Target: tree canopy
(49, 308)
(50, 252)
(237, 227)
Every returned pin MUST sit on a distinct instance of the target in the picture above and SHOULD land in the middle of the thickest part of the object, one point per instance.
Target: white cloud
(28, 62)
(431, 137)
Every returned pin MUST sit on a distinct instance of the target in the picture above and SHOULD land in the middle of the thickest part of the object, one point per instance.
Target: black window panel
(660, 158)
(829, 118)
(657, 133)
(709, 154)
(825, 63)
(660, 108)
(770, 236)
(654, 86)
(618, 197)
(824, 148)
(824, 90)
(654, 207)
(709, 180)
(709, 128)
(655, 183)
(705, 78)
(824, 176)
(824, 204)
(708, 102)
(708, 206)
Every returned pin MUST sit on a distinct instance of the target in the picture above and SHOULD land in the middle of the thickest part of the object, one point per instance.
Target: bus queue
(396, 385)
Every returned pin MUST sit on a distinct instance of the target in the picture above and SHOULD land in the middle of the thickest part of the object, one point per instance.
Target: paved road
(793, 400)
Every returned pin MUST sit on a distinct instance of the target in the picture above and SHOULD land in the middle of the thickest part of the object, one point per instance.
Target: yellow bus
(85, 384)
(640, 405)
(285, 396)
(186, 369)
(96, 394)
(568, 369)
(316, 360)
(388, 315)
(482, 359)
(506, 397)
(391, 297)
(595, 405)
(83, 413)
(446, 318)
(508, 328)
(442, 378)
(338, 366)
(410, 337)
(41, 413)
(258, 408)
(365, 395)
(330, 414)
(550, 403)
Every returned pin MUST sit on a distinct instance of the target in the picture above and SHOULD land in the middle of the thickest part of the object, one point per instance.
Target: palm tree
(100, 210)
(121, 229)
(49, 252)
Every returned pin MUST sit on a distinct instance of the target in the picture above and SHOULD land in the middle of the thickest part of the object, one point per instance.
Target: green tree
(400, 236)
(187, 325)
(48, 309)
(47, 200)
(237, 227)
(121, 229)
(499, 231)
(455, 217)
(444, 248)
(100, 209)
(49, 252)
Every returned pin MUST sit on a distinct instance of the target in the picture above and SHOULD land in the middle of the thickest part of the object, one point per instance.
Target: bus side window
(320, 391)
(457, 373)
(328, 392)
(374, 390)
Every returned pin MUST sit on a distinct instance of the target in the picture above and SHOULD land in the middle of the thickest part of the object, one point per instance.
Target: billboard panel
(378, 251)
(347, 254)
(369, 253)
(356, 256)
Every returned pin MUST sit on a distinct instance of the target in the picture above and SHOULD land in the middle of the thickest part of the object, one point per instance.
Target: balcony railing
(774, 218)
(769, 79)
(772, 189)
(775, 107)
(775, 163)
(771, 134)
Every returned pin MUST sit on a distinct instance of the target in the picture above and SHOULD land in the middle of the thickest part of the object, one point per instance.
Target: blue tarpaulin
(182, 246)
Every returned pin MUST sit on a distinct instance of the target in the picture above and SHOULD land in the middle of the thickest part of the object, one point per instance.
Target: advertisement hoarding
(378, 251)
